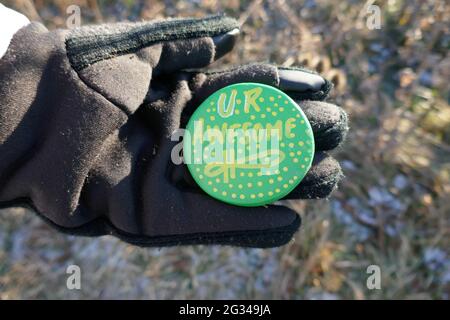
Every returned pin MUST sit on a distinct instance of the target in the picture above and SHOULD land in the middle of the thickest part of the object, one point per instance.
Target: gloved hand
(85, 122)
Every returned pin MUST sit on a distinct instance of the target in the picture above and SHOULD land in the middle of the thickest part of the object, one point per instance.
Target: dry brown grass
(391, 210)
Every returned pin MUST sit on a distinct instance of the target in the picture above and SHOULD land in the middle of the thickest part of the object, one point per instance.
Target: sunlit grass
(391, 209)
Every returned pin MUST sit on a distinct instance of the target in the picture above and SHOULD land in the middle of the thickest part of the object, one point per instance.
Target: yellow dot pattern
(251, 185)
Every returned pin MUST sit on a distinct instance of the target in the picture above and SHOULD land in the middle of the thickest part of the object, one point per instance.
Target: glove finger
(194, 53)
(90, 44)
(300, 84)
(321, 179)
(328, 121)
(303, 84)
(260, 73)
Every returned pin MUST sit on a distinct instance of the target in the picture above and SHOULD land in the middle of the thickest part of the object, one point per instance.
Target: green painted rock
(248, 144)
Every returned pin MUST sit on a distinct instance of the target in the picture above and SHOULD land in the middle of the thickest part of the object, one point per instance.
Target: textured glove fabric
(85, 123)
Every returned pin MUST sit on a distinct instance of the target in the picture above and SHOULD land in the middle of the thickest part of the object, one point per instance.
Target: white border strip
(10, 22)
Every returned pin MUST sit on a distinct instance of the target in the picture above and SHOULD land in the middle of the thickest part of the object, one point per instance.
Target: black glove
(85, 123)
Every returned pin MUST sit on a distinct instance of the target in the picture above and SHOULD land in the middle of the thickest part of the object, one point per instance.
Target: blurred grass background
(391, 210)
